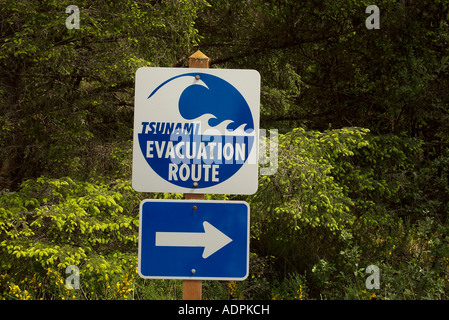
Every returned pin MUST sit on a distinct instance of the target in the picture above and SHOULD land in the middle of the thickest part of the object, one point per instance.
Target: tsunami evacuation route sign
(196, 130)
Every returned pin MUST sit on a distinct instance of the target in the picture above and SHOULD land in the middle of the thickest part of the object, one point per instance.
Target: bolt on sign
(196, 130)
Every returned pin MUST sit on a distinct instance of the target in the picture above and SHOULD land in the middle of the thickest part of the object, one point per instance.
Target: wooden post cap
(198, 60)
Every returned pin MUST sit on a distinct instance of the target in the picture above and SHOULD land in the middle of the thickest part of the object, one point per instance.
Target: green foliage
(342, 200)
(363, 158)
(303, 205)
(53, 223)
(67, 94)
(292, 287)
(413, 266)
(50, 224)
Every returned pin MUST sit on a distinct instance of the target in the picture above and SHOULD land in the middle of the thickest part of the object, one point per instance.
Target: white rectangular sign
(196, 130)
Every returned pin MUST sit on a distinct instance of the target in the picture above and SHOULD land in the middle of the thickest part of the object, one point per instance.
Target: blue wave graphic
(220, 98)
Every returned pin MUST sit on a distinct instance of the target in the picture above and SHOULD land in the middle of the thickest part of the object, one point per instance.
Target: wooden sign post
(192, 289)
(171, 223)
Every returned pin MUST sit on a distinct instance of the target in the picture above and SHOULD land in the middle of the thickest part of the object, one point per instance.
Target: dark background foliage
(363, 145)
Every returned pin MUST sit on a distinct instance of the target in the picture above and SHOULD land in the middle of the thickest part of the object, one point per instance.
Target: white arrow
(211, 239)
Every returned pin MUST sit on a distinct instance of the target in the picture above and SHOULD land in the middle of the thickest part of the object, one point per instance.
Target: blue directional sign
(194, 239)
